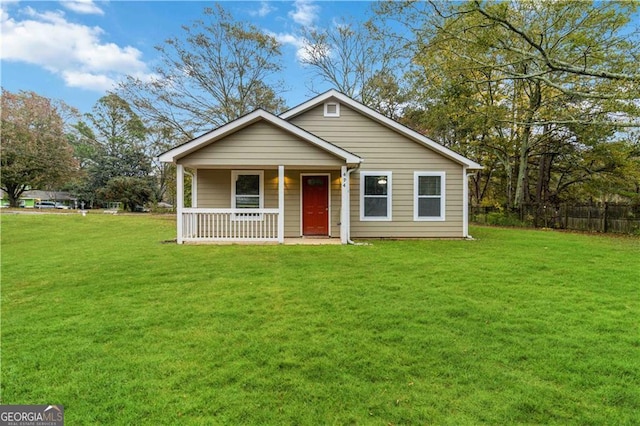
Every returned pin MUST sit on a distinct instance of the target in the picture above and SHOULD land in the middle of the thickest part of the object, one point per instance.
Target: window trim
(389, 196)
(331, 114)
(234, 178)
(417, 196)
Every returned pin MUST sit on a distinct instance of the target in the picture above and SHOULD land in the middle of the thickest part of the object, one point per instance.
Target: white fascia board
(386, 121)
(193, 145)
(320, 143)
(178, 152)
(320, 99)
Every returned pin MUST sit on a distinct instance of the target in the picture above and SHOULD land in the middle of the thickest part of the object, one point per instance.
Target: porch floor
(306, 241)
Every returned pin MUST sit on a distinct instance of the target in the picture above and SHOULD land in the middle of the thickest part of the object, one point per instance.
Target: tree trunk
(479, 188)
(543, 192)
(13, 193)
(544, 171)
(535, 100)
(523, 169)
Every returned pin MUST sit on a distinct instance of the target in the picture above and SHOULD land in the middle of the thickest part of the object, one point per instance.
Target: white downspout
(465, 203)
(465, 213)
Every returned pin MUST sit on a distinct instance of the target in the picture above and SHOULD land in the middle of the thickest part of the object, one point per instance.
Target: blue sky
(76, 50)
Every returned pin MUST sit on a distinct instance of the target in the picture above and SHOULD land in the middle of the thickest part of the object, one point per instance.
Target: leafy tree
(217, 71)
(34, 150)
(129, 190)
(526, 86)
(606, 172)
(162, 139)
(112, 144)
(358, 61)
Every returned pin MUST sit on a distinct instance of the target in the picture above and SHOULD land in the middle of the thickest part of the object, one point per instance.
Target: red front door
(315, 205)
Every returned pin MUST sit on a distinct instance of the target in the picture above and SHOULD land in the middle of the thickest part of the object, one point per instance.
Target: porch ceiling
(262, 167)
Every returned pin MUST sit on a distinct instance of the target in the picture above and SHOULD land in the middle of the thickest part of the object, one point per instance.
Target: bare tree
(217, 71)
(526, 81)
(357, 61)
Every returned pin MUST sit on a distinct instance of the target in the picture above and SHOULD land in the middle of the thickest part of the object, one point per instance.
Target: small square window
(332, 109)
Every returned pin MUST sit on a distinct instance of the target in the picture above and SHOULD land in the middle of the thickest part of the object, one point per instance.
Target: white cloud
(73, 51)
(86, 80)
(303, 48)
(6, 3)
(305, 13)
(86, 7)
(292, 40)
(265, 9)
(286, 38)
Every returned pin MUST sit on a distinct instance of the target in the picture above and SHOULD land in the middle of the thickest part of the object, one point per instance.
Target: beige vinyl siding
(260, 144)
(214, 191)
(386, 150)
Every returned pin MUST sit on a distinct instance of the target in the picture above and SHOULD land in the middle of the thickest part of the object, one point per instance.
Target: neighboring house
(330, 167)
(29, 198)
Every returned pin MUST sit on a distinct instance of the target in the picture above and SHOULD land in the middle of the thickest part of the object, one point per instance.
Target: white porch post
(465, 203)
(281, 204)
(179, 199)
(344, 206)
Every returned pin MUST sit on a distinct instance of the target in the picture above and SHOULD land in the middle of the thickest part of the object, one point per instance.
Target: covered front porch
(261, 179)
(271, 204)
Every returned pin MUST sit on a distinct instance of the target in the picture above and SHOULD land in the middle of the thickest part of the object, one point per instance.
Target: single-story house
(29, 198)
(330, 167)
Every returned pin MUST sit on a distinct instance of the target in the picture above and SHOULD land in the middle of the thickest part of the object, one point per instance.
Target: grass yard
(517, 327)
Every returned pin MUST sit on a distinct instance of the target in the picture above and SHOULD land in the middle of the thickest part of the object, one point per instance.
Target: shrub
(505, 219)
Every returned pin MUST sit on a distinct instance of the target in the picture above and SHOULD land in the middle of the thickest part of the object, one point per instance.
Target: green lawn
(516, 327)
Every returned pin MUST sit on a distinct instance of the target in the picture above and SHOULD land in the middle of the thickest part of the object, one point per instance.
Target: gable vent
(332, 109)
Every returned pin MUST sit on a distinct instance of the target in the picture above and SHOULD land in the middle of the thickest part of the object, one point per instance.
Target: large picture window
(375, 196)
(247, 191)
(429, 201)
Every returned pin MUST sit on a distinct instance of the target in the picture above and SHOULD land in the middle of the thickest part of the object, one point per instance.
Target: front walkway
(311, 241)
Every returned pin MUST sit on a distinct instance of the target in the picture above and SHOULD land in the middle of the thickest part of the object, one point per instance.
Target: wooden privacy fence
(604, 217)
(607, 217)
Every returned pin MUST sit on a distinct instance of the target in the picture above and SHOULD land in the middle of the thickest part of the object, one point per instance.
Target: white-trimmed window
(332, 109)
(375, 196)
(428, 195)
(247, 192)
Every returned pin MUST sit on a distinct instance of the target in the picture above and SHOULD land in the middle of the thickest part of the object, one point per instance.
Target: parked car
(45, 205)
(50, 205)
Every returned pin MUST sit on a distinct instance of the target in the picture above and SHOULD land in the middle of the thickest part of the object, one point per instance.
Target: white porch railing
(233, 225)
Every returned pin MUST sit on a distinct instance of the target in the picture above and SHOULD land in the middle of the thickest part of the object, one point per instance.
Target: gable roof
(43, 195)
(193, 145)
(385, 121)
